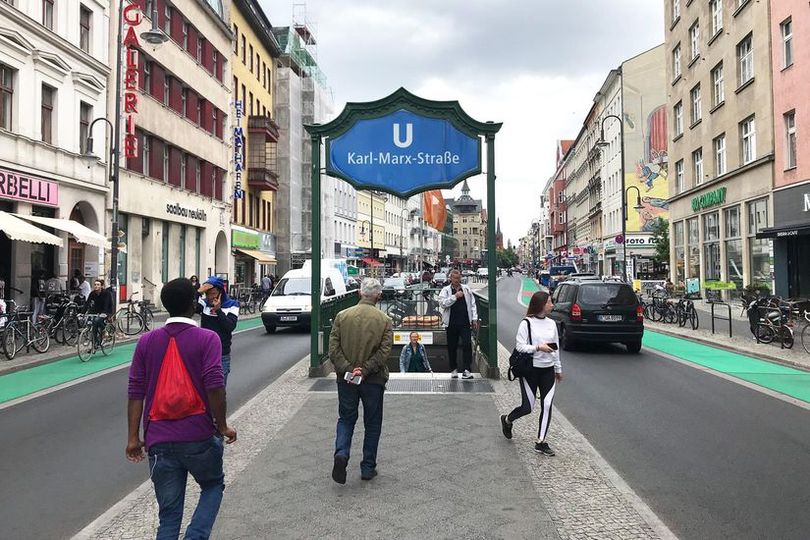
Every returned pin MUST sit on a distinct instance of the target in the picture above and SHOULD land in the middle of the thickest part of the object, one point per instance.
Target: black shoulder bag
(520, 362)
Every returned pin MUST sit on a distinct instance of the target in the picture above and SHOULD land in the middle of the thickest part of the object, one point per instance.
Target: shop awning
(371, 262)
(17, 229)
(81, 233)
(260, 256)
(784, 232)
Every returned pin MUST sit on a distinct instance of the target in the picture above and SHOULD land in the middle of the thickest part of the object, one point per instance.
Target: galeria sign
(133, 17)
(707, 200)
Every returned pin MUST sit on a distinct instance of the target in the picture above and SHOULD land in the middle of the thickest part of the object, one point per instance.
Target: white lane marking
(80, 380)
(751, 386)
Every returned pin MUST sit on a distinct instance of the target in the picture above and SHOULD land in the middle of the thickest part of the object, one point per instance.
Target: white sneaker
(454, 374)
(467, 375)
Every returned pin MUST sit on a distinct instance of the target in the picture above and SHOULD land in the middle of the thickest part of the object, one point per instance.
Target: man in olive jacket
(359, 344)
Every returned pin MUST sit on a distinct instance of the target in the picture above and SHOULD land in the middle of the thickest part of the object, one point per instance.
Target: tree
(507, 258)
(661, 238)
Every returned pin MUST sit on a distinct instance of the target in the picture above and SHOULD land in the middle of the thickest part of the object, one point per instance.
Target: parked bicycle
(686, 313)
(22, 333)
(770, 320)
(92, 339)
(129, 319)
(63, 325)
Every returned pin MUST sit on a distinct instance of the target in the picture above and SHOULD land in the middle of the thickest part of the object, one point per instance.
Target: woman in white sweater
(546, 370)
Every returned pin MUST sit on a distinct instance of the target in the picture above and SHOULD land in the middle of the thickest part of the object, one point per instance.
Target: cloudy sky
(534, 65)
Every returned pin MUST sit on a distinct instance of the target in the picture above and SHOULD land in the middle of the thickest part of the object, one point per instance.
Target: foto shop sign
(132, 17)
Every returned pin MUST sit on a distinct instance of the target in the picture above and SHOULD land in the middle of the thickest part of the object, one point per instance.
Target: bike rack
(728, 307)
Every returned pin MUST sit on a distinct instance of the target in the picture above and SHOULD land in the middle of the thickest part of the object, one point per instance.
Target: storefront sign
(238, 151)
(175, 209)
(640, 241)
(245, 239)
(707, 200)
(720, 286)
(133, 17)
(23, 187)
(268, 244)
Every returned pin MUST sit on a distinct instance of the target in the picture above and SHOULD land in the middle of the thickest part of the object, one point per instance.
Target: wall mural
(650, 176)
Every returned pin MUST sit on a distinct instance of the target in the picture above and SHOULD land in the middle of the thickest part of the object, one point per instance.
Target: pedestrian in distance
(537, 334)
(460, 317)
(177, 390)
(413, 358)
(267, 287)
(38, 294)
(75, 281)
(359, 344)
(84, 287)
(220, 313)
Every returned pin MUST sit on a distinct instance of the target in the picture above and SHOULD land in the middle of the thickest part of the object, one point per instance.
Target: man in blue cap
(220, 313)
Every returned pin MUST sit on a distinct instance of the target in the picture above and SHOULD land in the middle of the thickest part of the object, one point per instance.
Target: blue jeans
(170, 464)
(349, 397)
(226, 366)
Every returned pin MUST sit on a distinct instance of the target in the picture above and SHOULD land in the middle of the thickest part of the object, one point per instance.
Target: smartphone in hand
(552, 346)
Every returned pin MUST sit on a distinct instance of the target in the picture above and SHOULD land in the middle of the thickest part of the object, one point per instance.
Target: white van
(290, 303)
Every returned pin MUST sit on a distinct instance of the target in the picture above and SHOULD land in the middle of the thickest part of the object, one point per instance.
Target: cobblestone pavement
(445, 471)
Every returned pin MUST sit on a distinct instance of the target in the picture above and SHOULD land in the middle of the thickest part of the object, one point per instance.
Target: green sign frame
(709, 199)
(244, 239)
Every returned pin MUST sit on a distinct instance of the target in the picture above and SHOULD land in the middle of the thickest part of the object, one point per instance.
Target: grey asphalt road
(713, 459)
(62, 463)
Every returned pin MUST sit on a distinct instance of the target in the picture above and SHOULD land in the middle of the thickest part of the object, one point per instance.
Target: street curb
(738, 350)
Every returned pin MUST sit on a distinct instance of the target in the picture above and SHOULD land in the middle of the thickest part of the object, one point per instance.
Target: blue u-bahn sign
(403, 152)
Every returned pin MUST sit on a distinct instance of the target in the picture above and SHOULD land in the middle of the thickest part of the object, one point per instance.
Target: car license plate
(610, 318)
(289, 318)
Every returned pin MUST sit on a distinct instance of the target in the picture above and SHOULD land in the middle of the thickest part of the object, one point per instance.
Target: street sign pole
(492, 266)
(315, 323)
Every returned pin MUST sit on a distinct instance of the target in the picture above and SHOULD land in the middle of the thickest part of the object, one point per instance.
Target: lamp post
(602, 143)
(401, 223)
(155, 37)
(637, 206)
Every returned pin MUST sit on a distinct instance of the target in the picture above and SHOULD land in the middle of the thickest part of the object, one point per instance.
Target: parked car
(559, 273)
(482, 272)
(395, 286)
(598, 312)
(467, 273)
(440, 280)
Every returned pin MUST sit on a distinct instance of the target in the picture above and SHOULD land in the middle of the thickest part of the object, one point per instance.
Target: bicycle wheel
(694, 321)
(41, 339)
(70, 329)
(10, 342)
(669, 316)
(786, 333)
(85, 344)
(108, 339)
(147, 316)
(765, 333)
(680, 315)
(129, 322)
(648, 312)
(806, 338)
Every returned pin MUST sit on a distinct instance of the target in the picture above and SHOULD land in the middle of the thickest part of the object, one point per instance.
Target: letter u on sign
(408, 136)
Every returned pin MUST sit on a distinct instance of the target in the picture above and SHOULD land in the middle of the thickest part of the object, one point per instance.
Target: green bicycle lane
(28, 381)
(783, 379)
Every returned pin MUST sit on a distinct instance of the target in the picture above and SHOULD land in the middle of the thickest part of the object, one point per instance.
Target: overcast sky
(534, 65)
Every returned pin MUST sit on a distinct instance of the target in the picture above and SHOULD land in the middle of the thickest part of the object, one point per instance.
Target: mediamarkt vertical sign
(133, 17)
(238, 151)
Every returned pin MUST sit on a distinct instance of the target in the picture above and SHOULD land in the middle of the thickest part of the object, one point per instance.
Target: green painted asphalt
(22, 383)
(785, 380)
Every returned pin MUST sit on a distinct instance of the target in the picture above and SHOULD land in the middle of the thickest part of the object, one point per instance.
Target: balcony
(262, 174)
(263, 125)
(262, 179)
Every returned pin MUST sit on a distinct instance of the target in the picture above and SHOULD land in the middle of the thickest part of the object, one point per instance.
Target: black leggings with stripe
(541, 379)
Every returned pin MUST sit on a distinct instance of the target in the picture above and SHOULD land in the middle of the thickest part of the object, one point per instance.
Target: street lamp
(155, 37)
(637, 206)
(411, 212)
(602, 143)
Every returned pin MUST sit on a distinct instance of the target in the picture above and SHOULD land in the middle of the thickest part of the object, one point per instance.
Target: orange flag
(434, 209)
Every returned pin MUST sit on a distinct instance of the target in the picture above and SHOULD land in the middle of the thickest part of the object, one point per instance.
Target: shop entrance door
(798, 269)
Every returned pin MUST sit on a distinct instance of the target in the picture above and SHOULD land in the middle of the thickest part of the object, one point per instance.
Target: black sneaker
(544, 448)
(339, 469)
(369, 475)
(506, 427)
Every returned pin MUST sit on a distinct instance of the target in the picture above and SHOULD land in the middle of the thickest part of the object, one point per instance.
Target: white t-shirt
(543, 331)
(84, 289)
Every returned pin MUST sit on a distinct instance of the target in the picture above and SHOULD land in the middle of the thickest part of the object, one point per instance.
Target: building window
(199, 49)
(165, 162)
(787, 42)
(697, 166)
(760, 255)
(676, 10)
(678, 114)
(185, 36)
(147, 153)
(85, 18)
(85, 117)
(745, 57)
(198, 117)
(167, 27)
(164, 267)
(47, 14)
(48, 98)
(215, 62)
(6, 95)
(716, 7)
(711, 245)
(676, 61)
(694, 40)
(184, 102)
(166, 89)
(183, 167)
(679, 176)
(250, 49)
(734, 252)
(693, 239)
(748, 140)
(182, 250)
(720, 155)
(718, 92)
(790, 140)
(235, 40)
(677, 235)
(244, 50)
(147, 76)
(697, 112)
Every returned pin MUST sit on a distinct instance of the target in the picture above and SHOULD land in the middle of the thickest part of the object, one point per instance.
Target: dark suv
(597, 312)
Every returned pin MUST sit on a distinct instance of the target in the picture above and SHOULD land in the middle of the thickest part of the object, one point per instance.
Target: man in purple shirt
(192, 444)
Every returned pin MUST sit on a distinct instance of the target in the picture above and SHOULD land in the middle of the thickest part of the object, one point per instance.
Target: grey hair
(370, 288)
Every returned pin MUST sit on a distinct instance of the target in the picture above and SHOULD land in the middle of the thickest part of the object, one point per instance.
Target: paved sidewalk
(446, 471)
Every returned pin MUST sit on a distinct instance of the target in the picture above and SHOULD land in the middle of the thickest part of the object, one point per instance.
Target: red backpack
(176, 396)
